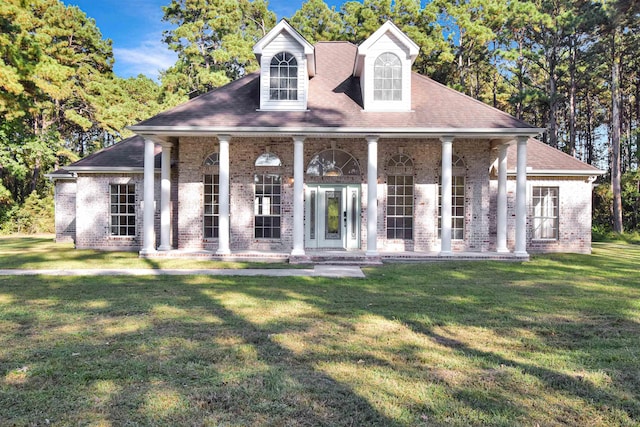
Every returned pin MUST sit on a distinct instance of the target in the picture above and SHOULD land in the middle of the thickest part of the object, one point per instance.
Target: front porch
(343, 257)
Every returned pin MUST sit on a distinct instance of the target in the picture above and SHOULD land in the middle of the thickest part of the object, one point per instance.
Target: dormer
(383, 63)
(287, 62)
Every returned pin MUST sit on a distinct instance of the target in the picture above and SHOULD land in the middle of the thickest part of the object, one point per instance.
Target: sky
(135, 27)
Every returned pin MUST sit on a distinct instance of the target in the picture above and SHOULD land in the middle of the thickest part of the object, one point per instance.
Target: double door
(332, 217)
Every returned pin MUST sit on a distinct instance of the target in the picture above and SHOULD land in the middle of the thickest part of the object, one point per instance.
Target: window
(212, 160)
(400, 198)
(268, 159)
(333, 163)
(123, 209)
(457, 200)
(211, 205)
(387, 78)
(400, 207)
(283, 83)
(267, 206)
(545, 213)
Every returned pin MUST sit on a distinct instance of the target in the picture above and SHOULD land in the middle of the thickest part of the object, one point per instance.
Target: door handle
(344, 216)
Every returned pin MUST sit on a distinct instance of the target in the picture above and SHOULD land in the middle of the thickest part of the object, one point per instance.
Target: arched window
(283, 83)
(212, 160)
(268, 159)
(387, 78)
(400, 197)
(333, 162)
(458, 171)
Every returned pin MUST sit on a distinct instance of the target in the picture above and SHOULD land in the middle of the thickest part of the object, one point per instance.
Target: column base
(502, 250)
(521, 253)
(372, 254)
(298, 253)
(164, 248)
(445, 253)
(145, 252)
(223, 252)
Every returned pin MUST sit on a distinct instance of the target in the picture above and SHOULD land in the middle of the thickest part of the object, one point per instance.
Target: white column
(148, 233)
(501, 238)
(372, 196)
(223, 219)
(165, 198)
(445, 234)
(298, 196)
(521, 197)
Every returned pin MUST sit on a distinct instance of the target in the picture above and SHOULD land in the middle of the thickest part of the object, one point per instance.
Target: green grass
(42, 252)
(549, 342)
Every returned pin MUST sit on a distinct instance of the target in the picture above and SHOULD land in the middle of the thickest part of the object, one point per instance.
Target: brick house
(332, 147)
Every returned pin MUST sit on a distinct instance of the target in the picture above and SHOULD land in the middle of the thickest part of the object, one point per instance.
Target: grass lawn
(554, 341)
(42, 252)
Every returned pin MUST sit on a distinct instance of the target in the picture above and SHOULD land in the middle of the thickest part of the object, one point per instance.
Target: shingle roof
(334, 101)
(544, 158)
(126, 154)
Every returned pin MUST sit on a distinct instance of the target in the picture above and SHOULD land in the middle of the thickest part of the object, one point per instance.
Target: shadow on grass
(173, 350)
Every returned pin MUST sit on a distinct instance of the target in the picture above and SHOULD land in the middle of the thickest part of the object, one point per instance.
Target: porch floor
(346, 257)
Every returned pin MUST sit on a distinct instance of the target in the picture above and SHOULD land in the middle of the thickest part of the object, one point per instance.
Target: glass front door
(332, 216)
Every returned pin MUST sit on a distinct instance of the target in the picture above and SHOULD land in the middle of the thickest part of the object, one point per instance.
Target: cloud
(148, 57)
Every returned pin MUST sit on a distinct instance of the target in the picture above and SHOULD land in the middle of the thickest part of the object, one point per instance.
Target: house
(332, 147)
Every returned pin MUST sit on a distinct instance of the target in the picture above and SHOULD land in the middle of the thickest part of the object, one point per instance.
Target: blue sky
(136, 26)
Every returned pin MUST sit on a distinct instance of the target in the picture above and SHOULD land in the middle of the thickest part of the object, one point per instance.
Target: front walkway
(317, 271)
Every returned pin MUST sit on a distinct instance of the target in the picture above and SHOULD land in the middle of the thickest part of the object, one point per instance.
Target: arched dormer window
(333, 162)
(283, 84)
(268, 159)
(387, 78)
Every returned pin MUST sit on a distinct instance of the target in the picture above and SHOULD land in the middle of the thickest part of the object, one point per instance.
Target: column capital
(298, 138)
(447, 139)
(372, 138)
(522, 139)
(224, 138)
(166, 144)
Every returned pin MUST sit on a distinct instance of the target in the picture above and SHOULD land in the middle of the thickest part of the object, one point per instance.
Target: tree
(317, 22)
(213, 40)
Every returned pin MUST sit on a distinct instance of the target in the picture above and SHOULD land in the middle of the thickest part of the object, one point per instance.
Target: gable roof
(335, 106)
(284, 26)
(387, 27)
(543, 159)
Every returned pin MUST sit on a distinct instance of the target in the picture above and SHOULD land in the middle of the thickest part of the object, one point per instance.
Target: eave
(335, 132)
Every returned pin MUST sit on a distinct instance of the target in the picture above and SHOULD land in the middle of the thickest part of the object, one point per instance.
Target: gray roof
(334, 101)
(126, 154)
(544, 159)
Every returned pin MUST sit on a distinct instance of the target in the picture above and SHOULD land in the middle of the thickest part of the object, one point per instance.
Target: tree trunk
(572, 96)
(615, 134)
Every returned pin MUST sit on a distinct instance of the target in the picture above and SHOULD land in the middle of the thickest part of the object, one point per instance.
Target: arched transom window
(387, 78)
(333, 162)
(268, 159)
(212, 160)
(283, 83)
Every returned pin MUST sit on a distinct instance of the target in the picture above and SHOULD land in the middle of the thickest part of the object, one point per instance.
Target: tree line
(571, 67)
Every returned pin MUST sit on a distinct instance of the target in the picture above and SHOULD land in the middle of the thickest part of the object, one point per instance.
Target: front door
(332, 217)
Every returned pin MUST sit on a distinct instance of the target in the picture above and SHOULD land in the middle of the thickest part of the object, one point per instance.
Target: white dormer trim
(283, 25)
(387, 39)
(284, 40)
